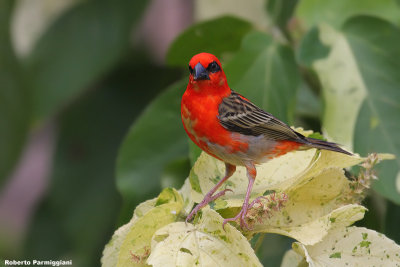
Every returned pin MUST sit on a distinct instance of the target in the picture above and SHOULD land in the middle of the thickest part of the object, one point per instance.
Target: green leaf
(391, 221)
(14, 98)
(317, 135)
(175, 173)
(204, 244)
(352, 246)
(360, 81)
(253, 11)
(281, 12)
(308, 104)
(311, 48)
(81, 45)
(335, 13)
(272, 248)
(265, 72)
(336, 255)
(156, 138)
(216, 36)
(194, 152)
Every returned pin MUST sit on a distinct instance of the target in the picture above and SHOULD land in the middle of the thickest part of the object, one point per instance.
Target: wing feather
(237, 114)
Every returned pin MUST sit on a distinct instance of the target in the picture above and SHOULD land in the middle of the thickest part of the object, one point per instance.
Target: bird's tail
(320, 144)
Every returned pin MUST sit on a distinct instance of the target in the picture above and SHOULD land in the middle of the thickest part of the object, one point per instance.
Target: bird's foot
(207, 199)
(240, 216)
(257, 200)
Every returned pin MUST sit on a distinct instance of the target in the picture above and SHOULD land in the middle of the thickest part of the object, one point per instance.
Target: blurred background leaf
(14, 101)
(175, 173)
(311, 48)
(266, 73)
(335, 13)
(309, 108)
(280, 12)
(81, 45)
(156, 138)
(392, 221)
(271, 248)
(209, 36)
(252, 11)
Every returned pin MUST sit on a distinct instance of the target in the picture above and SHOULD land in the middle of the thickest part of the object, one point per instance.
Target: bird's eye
(190, 70)
(213, 67)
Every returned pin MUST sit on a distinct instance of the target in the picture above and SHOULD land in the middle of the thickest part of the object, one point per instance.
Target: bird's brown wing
(237, 114)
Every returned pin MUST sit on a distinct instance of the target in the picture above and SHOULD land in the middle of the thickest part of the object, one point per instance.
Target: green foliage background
(85, 74)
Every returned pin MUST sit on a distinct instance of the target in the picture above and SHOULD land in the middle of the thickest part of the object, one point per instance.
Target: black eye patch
(190, 70)
(213, 67)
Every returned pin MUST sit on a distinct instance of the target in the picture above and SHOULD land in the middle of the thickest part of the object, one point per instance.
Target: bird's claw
(220, 194)
(242, 216)
(207, 199)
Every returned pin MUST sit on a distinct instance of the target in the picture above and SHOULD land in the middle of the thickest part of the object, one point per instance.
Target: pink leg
(229, 170)
(251, 174)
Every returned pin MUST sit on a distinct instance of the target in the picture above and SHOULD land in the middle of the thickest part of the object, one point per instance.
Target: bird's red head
(206, 71)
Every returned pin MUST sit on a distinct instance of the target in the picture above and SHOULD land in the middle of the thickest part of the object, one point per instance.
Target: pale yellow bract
(350, 246)
(130, 245)
(203, 244)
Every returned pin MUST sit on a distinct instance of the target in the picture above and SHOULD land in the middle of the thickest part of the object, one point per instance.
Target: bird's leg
(229, 170)
(251, 174)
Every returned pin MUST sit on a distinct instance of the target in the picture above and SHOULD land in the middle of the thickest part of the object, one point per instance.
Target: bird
(229, 127)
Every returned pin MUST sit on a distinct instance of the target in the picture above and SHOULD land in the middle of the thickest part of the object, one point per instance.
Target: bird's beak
(200, 73)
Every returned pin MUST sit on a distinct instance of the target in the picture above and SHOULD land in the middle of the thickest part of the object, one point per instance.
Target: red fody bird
(232, 129)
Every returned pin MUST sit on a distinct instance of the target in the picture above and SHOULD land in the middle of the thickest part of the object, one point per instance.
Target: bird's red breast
(199, 109)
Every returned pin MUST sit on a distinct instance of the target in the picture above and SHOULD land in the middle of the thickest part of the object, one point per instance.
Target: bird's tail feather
(320, 144)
